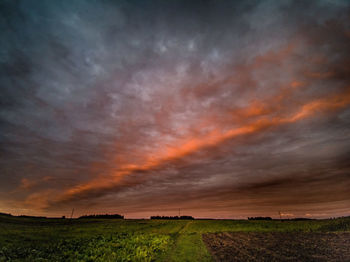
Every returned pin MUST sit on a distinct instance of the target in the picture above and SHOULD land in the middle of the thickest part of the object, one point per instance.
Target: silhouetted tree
(114, 216)
(173, 217)
(259, 218)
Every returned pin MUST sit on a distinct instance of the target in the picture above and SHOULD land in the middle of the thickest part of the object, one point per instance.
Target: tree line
(103, 216)
(172, 217)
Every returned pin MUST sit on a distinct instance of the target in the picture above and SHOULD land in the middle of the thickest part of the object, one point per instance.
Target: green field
(34, 239)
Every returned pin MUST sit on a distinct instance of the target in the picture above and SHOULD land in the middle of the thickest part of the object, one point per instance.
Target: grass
(29, 239)
(189, 247)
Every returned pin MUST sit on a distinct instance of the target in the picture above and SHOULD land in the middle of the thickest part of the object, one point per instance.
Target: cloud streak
(223, 109)
(102, 185)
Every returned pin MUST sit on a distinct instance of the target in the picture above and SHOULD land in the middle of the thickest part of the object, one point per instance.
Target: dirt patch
(279, 246)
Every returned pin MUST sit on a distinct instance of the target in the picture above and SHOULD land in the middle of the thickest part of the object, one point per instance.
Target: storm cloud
(224, 109)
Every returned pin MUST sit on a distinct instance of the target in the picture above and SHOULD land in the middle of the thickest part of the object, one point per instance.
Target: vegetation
(173, 217)
(91, 239)
(259, 218)
(110, 216)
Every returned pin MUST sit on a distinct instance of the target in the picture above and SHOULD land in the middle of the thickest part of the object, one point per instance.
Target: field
(279, 246)
(35, 239)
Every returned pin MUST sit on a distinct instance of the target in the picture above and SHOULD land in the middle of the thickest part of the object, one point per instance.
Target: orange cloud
(26, 183)
(30, 183)
(212, 138)
(321, 105)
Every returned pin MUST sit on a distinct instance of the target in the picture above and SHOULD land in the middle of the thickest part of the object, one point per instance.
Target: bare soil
(274, 246)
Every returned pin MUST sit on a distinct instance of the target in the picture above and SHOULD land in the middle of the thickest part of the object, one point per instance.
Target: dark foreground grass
(28, 239)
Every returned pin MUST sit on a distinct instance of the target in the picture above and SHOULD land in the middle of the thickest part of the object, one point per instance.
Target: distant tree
(173, 217)
(259, 218)
(301, 218)
(5, 214)
(108, 216)
(31, 216)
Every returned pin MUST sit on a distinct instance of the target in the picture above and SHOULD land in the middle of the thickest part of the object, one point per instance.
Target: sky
(222, 109)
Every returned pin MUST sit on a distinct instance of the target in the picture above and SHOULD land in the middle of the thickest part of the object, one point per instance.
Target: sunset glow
(222, 109)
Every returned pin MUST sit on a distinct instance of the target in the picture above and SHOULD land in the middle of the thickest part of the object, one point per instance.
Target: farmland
(39, 239)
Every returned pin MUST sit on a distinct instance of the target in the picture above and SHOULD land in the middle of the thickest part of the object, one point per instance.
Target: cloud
(225, 106)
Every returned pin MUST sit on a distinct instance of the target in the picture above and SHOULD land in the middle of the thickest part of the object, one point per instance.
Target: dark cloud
(223, 108)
